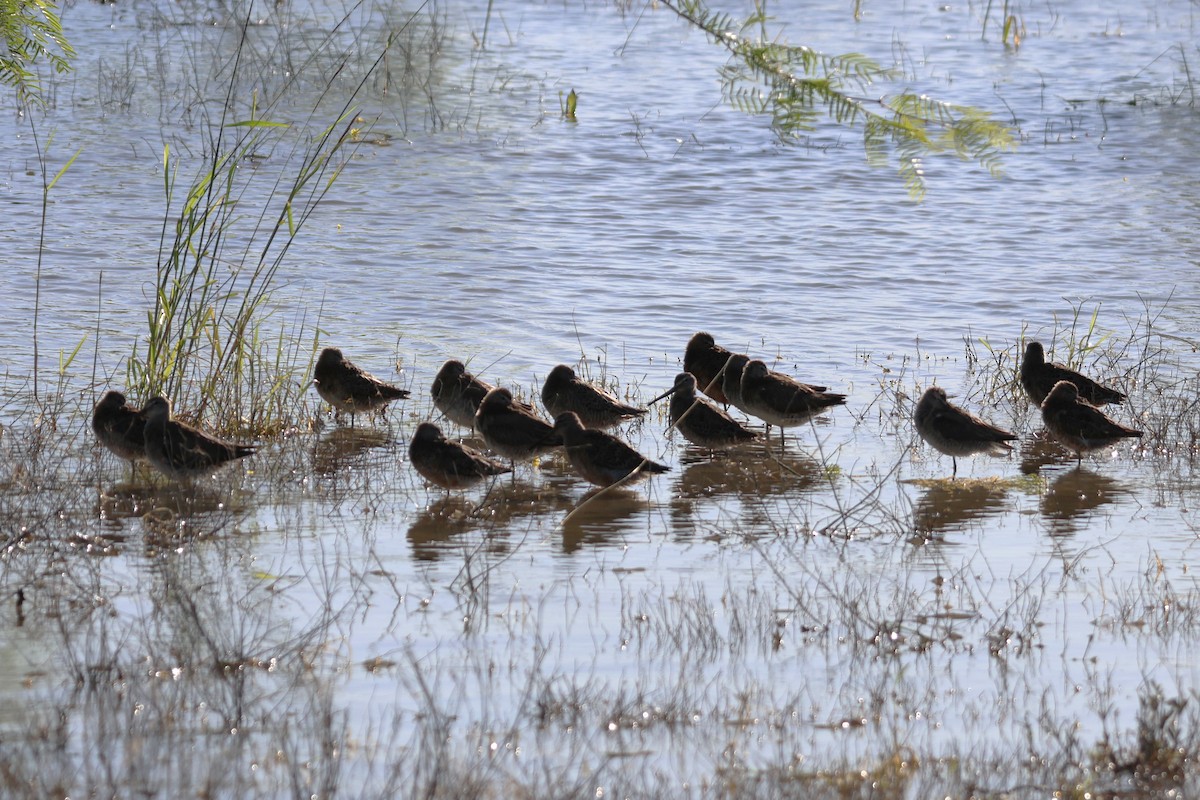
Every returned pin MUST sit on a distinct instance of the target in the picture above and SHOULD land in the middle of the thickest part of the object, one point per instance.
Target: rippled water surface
(743, 619)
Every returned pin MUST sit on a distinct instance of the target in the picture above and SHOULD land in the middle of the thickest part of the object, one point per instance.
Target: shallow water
(819, 611)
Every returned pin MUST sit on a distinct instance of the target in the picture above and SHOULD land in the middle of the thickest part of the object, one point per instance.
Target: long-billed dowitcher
(1078, 425)
(120, 427)
(733, 381)
(347, 387)
(1039, 376)
(512, 430)
(700, 422)
(600, 457)
(457, 393)
(955, 432)
(779, 400)
(705, 359)
(563, 391)
(448, 464)
(180, 451)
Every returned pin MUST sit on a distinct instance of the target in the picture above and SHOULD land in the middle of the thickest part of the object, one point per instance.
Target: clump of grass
(1135, 362)
(206, 344)
(206, 329)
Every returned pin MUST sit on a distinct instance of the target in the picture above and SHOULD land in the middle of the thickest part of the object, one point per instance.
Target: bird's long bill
(667, 393)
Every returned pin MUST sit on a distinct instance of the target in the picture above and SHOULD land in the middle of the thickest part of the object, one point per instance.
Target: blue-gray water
(488, 228)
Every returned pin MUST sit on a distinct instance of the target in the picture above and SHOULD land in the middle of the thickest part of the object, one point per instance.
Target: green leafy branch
(30, 30)
(798, 86)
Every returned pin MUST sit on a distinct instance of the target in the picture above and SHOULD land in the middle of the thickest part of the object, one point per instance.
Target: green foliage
(798, 86)
(30, 30)
(216, 266)
(225, 234)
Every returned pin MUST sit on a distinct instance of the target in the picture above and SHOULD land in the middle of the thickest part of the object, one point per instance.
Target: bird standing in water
(705, 360)
(347, 387)
(457, 393)
(563, 391)
(777, 399)
(1039, 376)
(120, 427)
(700, 422)
(955, 432)
(1080, 426)
(511, 429)
(180, 451)
(450, 465)
(600, 457)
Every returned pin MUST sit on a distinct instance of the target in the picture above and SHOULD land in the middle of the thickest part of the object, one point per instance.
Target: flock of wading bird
(582, 412)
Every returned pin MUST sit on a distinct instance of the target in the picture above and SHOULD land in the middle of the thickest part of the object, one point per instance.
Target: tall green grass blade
(63, 170)
(65, 364)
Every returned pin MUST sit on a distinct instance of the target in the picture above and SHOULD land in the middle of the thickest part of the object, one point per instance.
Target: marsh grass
(226, 234)
(347, 632)
(223, 671)
(317, 623)
(206, 329)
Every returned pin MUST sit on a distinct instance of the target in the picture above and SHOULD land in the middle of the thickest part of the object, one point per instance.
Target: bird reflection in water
(434, 529)
(438, 529)
(128, 500)
(750, 471)
(167, 514)
(950, 505)
(602, 517)
(1039, 450)
(344, 447)
(1071, 498)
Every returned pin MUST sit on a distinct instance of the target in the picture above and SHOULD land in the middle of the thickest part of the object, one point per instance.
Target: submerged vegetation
(862, 643)
(808, 622)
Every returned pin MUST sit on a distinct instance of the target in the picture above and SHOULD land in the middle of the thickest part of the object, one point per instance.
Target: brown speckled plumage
(180, 451)
(600, 457)
(955, 432)
(448, 464)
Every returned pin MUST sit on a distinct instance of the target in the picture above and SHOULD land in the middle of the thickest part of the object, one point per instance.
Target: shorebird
(777, 399)
(564, 391)
(511, 429)
(347, 387)
(1038, 378)
(705, 359)
(700, 422)
(448, 464)
(1078, 425)
(600, 457)
(457, 393)
(180, 451)
(119, 427)
(733, 381)
(955, 432)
